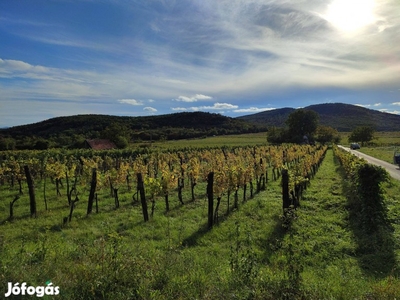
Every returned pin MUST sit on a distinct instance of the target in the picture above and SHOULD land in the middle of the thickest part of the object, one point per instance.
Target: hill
(343, 117)
(73, 130)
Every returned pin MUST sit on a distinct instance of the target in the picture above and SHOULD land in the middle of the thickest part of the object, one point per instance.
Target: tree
(7, 144)
(362, 134)
(276, 135)
(118, 133)
(41, 144)
(302, 122)
(327, 134)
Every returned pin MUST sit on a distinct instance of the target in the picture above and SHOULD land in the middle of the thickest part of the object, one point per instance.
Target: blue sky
(234, 57)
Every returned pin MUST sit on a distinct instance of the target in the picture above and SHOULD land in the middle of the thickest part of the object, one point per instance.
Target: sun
(351, 15)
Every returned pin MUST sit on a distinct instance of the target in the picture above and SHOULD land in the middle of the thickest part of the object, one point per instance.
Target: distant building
(100, 144)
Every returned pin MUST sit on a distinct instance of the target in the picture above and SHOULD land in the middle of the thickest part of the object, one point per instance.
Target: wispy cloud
(252, 109)
(216, 106)
(395, 112)
(194, 98)
(150, 109)
(131, 102)
(205, 51)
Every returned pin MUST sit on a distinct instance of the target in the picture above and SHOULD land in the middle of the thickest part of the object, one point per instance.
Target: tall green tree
(362, 134)
(120, 134)
(302, 122)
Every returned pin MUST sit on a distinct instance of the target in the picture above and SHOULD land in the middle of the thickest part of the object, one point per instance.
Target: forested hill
(72, 130)
(343, 117)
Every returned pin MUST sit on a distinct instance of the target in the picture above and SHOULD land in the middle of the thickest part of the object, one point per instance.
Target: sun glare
(351, 15)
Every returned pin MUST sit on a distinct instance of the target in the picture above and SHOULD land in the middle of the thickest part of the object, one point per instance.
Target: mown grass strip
(327, 245)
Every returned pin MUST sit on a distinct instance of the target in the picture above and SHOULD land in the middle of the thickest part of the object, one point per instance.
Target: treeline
(303, 127)
(71, 132)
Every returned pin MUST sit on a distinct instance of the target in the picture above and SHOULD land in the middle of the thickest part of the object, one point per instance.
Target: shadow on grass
(191, 240)
(223, 215)
(274, 241)
(177, 206)
(15, 219)
(375, 248)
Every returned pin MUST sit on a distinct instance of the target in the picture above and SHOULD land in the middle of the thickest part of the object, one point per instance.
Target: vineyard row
(155, 175)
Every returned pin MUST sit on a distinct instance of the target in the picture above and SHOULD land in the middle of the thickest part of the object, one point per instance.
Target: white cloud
(19, 69)
(131, 102)
(227, 49)
(216, 106)
(150, 109)
(14, 65)
(194, 98)
(202, 97)
(363, 105)
(395, 112)
(175, 81)
(252, 110)
(154, 27)
(369, 105)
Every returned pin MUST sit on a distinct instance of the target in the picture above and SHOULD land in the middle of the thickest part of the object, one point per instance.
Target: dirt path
(392, 169)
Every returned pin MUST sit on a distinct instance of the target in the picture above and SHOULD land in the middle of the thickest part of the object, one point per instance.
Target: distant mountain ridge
(343, 117)
(73, 130)
(85, 124)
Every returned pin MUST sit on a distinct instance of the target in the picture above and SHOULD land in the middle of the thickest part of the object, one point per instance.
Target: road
(392, 169)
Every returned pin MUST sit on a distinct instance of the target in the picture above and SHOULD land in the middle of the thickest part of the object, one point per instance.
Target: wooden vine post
(12, 206)
(71, 208)
(210, 196)
(31, 191)
(285, 190)
(92, 191)
(140, 188)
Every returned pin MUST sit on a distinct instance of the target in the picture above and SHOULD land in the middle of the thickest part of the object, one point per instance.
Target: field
(250, 139)
(383, 146)
(381, 139)
(253, 252)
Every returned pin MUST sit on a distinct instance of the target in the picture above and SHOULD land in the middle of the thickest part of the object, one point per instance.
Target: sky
(234, 57)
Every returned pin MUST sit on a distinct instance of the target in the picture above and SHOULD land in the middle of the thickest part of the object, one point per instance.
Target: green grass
(381, 138)
(387, 138)
(114, 254)
(382, 153)
(330, 242)
(248, 255)
(214, 141)
(383, 146)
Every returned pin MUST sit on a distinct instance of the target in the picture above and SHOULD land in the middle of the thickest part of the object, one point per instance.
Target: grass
(214, 141)
(330, 241)
(114, 254)
(382, 153)
(381, 138)
(383, 146)
(248, 255)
